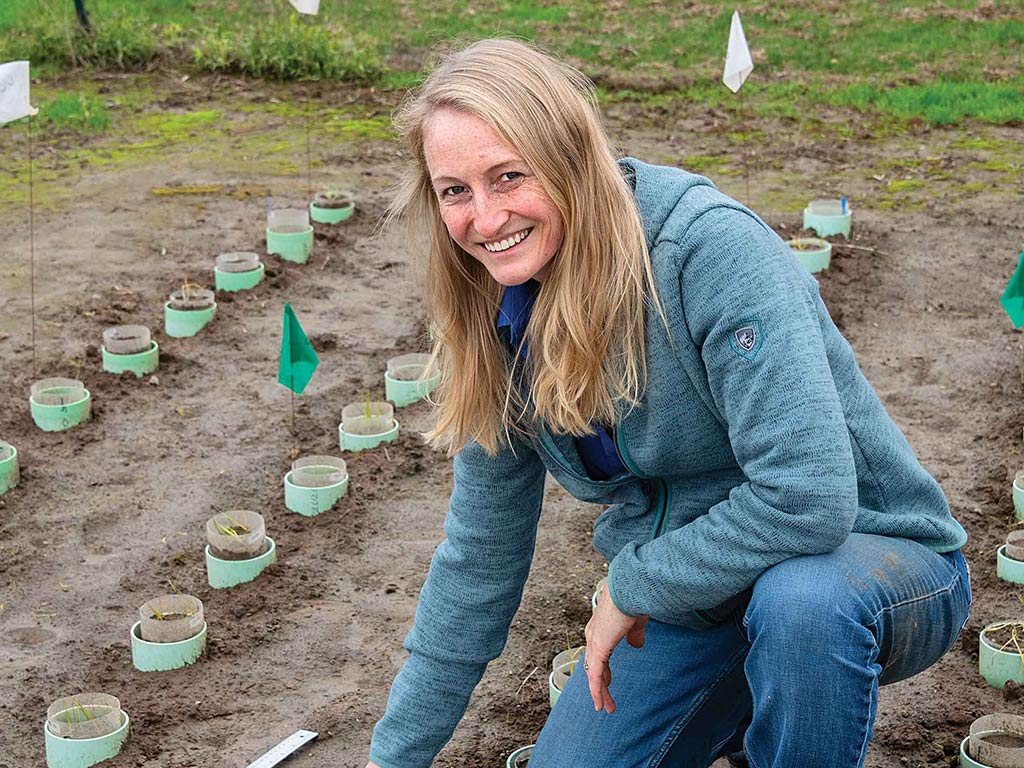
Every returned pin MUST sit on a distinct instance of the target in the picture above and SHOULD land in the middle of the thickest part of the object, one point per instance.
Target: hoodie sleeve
(471, 593)
(752, 314)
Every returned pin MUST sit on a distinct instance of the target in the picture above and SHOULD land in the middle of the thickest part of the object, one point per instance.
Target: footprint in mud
(28, 637)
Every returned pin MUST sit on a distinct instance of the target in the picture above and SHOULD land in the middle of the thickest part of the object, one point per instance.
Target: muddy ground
(111, 513)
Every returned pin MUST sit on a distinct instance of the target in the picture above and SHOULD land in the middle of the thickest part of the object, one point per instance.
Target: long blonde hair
(586, 331)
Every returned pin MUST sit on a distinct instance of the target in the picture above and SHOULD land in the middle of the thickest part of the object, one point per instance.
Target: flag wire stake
(32, 246)
(746, 171)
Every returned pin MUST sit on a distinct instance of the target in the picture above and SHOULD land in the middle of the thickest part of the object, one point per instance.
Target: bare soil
(112, 512)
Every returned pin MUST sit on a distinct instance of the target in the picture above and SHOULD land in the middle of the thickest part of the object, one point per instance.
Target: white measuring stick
(284, 750)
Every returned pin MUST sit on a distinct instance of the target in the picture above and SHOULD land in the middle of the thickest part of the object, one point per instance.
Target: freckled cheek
(457, 225)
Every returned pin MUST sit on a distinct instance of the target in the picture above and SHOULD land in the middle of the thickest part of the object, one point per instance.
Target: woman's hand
(605, 629)
(372, 764)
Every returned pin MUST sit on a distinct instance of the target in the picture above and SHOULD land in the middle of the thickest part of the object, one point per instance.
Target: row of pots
(826, 218)
(170, 633)
(289, 232)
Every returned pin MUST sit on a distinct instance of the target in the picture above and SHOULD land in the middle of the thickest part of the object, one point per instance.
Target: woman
(776, 550)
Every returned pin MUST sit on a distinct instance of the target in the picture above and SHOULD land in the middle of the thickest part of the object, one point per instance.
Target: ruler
(284, 750)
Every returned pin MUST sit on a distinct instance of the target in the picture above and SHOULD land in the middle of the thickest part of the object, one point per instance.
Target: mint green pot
(1018, 498)
(81, 753)
(140, 363)
(330, 215)
(350, 442)
(966, 761)
(403, 393)
(291, 246)
(520, 758)
(1007, 568)
(996, 666)
(181, 323)
(825, 218)
(9, 471)
(57, 418)
(815, 258)
(238, 281)
(312, 501)
(222, 574)
(160, 657)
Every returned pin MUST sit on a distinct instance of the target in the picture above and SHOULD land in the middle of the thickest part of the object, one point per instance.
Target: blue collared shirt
(597, 450)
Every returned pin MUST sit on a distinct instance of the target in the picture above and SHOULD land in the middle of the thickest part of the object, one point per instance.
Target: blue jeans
(791, 674)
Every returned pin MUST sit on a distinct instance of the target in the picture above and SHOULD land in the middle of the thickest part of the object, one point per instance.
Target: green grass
(75, 112)
(911, 61)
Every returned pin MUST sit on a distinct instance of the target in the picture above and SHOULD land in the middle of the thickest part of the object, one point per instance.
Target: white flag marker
(738, 63)
(309, 7)
(14, 103)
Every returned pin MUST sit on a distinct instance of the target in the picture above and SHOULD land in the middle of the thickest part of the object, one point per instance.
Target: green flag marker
(298, 358)
(1013, 296)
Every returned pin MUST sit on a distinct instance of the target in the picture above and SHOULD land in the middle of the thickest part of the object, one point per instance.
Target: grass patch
(942, 103)
(75, 112)
(295, 50)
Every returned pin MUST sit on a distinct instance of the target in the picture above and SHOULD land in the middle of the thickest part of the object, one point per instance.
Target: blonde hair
(586, 330)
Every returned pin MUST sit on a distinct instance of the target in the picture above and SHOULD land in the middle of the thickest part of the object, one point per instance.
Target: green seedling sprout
(86, 716)
(163, 616)
(189, 289)
(367, 410)
(573, 654)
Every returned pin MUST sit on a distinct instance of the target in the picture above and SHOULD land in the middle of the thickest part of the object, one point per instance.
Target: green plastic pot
(597, 593)
(81, 753)
(520, 758)
(9, 470)
(315, 484)
(222, 574)
(181, 323)
(160, 657)
(813, 254)
(571, 658)
(966, 761)
(331, 215)
(56, 418)
(989, 752)
(352, 442)
(1018, 496)
(139, 363)
(826, 217)
(238, 281)
(998, 666)
(403, 384)
(1010, 559)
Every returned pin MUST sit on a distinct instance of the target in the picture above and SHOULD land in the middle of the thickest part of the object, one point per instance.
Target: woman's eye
(511, 175)
(453, 191)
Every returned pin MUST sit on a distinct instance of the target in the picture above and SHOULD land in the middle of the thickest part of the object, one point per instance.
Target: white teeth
(504, 245)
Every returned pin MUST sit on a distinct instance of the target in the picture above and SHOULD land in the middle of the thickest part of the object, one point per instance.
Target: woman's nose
(489, 217)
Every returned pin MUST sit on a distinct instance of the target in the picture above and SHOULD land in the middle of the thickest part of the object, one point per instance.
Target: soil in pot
(318, 471)
(170, 618)
(127, 339)
(238, 261)
(191, 297)
(332, 200)
(85, 716)
(236, 535)
(58, 391)
(367, 418)
(1007, 637)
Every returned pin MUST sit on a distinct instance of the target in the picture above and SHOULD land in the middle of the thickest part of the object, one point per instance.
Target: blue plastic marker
(842, 205)
(269, 206)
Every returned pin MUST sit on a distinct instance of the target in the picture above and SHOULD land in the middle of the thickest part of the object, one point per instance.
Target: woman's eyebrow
(493, 169)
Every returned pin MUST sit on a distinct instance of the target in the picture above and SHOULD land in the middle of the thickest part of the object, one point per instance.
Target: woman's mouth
(508, 243)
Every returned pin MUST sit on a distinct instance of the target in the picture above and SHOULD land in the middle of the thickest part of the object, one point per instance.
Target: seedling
(997, 633)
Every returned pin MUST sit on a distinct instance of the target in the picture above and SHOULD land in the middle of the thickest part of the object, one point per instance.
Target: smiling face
(492, 203)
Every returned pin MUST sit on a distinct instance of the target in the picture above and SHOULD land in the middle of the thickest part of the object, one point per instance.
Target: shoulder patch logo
(746, 340)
